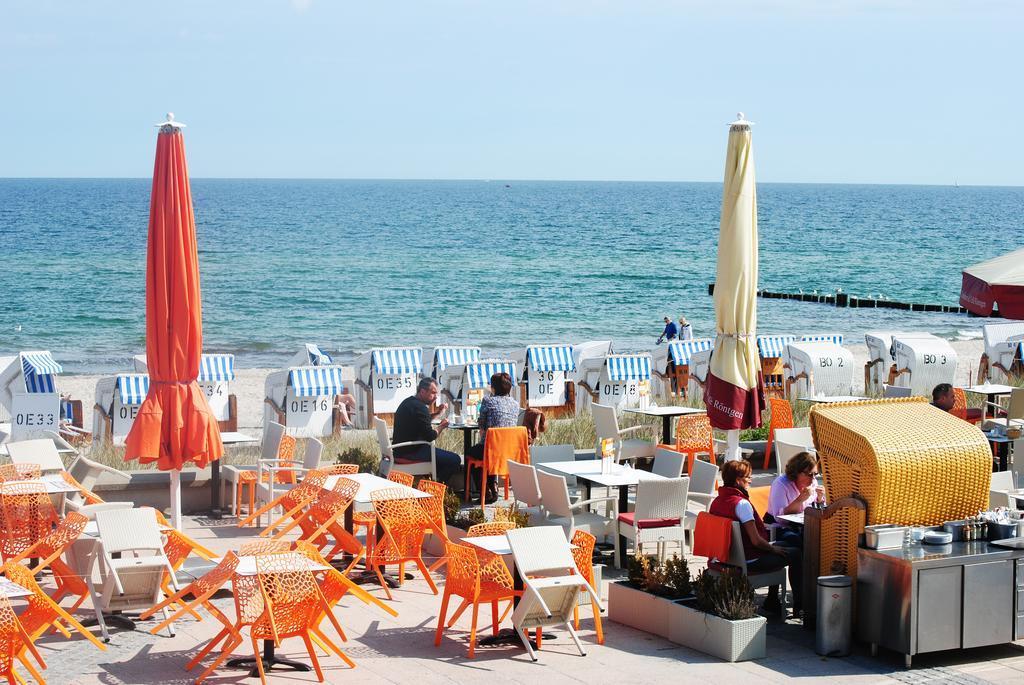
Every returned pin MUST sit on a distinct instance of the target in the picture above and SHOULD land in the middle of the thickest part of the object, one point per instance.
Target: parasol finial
(741, 123)
(170, 126)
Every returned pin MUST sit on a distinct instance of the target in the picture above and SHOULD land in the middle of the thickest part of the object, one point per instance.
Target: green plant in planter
(512, 513)
(728, 595)
(638, 569)
(452, 505)
(670, 579)
(469, 517)
(677, 577)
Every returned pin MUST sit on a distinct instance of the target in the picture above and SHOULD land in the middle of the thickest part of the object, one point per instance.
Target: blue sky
(841, 91)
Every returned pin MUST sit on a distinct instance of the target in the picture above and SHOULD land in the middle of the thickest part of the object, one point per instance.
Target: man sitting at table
(944, 398)
(413, 422)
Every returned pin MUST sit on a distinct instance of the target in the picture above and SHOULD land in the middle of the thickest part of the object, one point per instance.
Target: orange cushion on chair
(504, 444)
(648, 523)
(712, 536)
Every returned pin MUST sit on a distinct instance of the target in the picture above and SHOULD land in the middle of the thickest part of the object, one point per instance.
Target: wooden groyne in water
(841, 299)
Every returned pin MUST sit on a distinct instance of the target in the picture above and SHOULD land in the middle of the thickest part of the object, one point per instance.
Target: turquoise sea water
(356, 264)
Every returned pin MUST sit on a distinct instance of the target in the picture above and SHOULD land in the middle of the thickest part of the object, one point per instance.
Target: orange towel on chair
(502, 444)
(712, 536)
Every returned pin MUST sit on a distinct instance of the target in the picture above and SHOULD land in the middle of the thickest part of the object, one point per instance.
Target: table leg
(269, 659)
(467, 442)
(215, 512)
(666, 430)
(623, 507)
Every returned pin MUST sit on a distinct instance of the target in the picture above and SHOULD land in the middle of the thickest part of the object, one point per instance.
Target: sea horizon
(351, 264)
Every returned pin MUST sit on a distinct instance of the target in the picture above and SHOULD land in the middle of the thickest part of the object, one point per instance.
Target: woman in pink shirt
(796, 489)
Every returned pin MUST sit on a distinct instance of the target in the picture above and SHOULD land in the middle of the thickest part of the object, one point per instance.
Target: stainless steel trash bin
(834, 630)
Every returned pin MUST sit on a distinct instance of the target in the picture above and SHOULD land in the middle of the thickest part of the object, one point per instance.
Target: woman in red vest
(733, 502)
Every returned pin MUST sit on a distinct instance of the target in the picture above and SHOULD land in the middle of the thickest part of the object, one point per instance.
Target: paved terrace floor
(401, 650)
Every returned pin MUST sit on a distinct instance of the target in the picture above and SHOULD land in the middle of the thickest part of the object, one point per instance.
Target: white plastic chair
(569, 515)
(273, 434)
(267, 487)
(701, 491)
(41, 452)
(606, 425)
(526, 490)
(543, 454)
(790, 442)
(131, 581)
(1014, 410)
(737, 559)
(668, 463)
(387, 454)
(658, 516)
(88, 472)
(90, 511)
(551, 582)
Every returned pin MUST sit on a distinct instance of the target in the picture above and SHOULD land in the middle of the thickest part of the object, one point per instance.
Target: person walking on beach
(413, 422)
(670, 332)
(685, 329)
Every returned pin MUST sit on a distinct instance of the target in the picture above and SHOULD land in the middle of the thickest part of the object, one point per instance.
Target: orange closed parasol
(174, 423)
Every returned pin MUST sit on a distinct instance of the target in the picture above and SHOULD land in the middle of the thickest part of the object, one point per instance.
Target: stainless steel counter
(926, 598)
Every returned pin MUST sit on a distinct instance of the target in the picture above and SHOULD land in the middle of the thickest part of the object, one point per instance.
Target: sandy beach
(248, 383)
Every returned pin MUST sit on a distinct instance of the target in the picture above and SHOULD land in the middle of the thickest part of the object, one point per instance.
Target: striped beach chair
(384, 377)
(671, 365)
(770, 349)
(545, 378)
(118, 399)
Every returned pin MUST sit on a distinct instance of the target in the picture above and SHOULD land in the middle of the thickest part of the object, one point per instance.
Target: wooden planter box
(684, 625)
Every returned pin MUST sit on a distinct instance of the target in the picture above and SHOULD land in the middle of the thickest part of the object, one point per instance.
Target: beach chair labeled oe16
(552, 583)
(304, 396)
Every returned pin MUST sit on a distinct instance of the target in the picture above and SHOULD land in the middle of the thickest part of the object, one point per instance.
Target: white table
(796, 519)
(620, 476)
(826, 399)
(12, 590)
(992, 393)
(667, 414)
(369, 484)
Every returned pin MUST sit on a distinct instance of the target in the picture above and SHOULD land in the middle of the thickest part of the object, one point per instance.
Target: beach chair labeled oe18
(623, 381)
(304, 396)
(546, 384)
(384, 376)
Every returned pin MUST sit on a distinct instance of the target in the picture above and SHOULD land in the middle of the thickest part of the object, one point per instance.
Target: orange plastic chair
(694, 436)
(327, 514)
(247, 479)
(42, 613)
(178, 548)
(500, 446)
(712, 536)
(294, 604)
(249, 607)
(960, 409)
(401, 477)
(334, 585)
(404, 523)
(19, 472)
(257, 547)
(782, 417)
(291, 501)
(433, 506)
(88, 496)
(49, 551)
(759, 498)
(26, 516)
(13, 642)
(490, 528)
(201, 590)
(476, 579)
(583, 554)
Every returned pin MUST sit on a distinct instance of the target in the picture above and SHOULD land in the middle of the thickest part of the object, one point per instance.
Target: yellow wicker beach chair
(911, 463)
